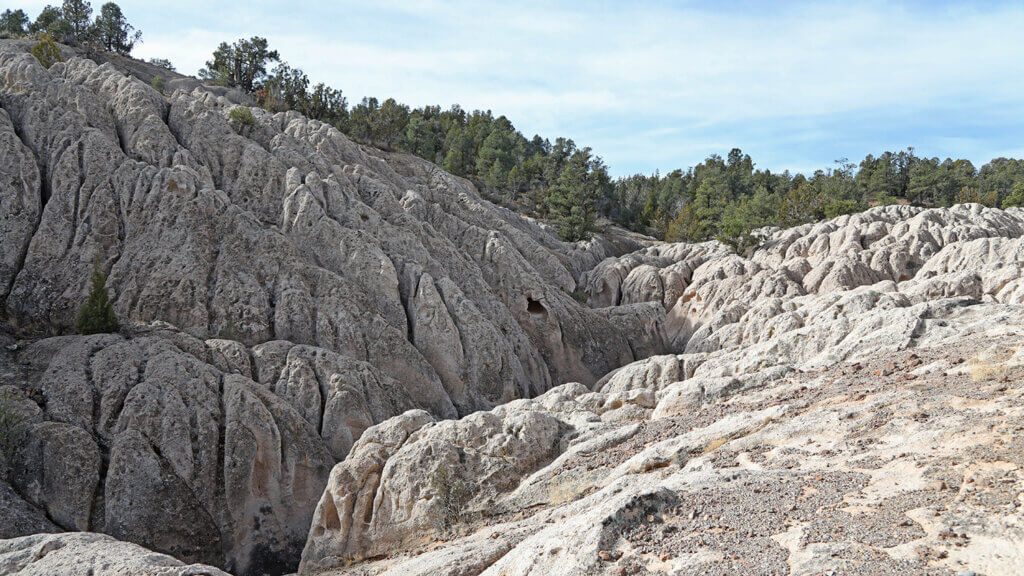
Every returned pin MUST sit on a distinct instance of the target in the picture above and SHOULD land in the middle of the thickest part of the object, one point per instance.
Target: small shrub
(968, 195)
(715, 444)
(230, 331)
(982, 372)
(162, 63)
(158, 83)
(242, 116)
(452, 494)
(992, 364)
(97, 314)
(580, 296)
(741, 242)
(987, 371)
(564, 489)
(47, 51)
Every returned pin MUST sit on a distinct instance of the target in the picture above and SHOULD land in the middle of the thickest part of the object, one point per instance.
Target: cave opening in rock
(535, 307)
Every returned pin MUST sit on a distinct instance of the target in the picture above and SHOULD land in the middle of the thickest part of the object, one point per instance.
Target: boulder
(75, 553)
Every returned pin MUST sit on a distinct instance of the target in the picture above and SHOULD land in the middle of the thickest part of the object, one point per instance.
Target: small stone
(609, 556)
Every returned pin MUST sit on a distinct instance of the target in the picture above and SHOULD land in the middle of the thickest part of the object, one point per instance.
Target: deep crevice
(406, 297)
(535, 307)
(166, 467)
(120, 137)
(77, 196)
(170, 128)
(220, 492)
(97, 512)
(211, 287)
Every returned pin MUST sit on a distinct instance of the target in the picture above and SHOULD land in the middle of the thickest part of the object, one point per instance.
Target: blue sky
(657, 85)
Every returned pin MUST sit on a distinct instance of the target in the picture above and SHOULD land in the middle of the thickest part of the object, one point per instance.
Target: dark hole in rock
(535, 307)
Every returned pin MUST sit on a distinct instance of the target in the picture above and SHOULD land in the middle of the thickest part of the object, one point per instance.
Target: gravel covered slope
(908, 462)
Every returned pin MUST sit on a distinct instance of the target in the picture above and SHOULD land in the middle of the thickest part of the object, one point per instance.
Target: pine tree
(114, 32)
(14, 22)
(1015, 197)
(459, 152)
(242, 64)
(388, 124)
(420, 138)
(571, 202)
(77, 13)
(97, 314)
(495, 159)
(51, 21)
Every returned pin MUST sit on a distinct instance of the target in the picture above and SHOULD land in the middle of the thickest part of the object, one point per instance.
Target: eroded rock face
(654, 274)
(424, 476)
(145, 439)
(280, 291)
(717, 301)
(284, 230)
(20, 517)
(411, 480)
(210, 451)
(20, 201)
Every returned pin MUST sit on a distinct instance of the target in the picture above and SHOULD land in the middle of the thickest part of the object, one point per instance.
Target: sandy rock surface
(908, 463)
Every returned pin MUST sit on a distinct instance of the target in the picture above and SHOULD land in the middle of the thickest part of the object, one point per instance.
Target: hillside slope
(280, 289)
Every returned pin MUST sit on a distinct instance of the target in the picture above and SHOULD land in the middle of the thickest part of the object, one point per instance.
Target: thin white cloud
(670, 78)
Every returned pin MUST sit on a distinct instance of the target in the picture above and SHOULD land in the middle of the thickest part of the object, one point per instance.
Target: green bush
(97, 314)
(47, 51)
(242, 116)
(452, 496)
(1015, 197)
(968, 195)
(580, 296)
(158, 83)
(230, 332)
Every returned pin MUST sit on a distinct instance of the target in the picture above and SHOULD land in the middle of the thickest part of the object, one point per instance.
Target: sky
(655, 85)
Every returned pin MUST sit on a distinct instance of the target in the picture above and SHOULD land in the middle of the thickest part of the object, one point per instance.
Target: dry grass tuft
(715, 444)
(992, 364)
(987, 371)
(563, 490)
